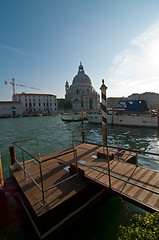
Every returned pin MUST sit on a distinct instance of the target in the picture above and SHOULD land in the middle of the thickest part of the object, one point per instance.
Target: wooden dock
(71, 187)
(135, 184)
(69, 196)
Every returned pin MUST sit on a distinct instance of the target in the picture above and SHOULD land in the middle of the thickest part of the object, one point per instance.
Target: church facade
(81, 93)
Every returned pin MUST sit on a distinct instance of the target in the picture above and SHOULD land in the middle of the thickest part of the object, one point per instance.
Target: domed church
(81, 94)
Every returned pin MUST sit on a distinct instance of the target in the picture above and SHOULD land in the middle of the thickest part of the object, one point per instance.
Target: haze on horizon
(43, 42)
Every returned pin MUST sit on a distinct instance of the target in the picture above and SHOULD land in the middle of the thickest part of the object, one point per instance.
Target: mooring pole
(12, 154)
(82, 115)
(112, 116)
(1, 174)
(158, 116)
(104, 112)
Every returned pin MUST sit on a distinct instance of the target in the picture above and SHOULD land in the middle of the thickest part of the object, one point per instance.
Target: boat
(73, 119)
(128, 113)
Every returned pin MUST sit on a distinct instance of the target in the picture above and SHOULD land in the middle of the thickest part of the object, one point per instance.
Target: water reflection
(55, 135)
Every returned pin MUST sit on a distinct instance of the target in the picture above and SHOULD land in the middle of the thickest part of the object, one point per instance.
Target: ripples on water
(54, 135)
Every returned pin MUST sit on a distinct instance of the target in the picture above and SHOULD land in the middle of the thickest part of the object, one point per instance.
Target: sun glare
(154, 53)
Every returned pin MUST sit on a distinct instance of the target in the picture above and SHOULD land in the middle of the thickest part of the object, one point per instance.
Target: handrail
(58, 156)
(14, 144)
(147, 189)
(55, 185)
(25, 140)
(29, 175)
(121, 148)
(74, 151)
(126, 149)
(40, 167)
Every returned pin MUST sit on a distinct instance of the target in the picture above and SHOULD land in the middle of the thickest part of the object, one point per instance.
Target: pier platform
(136, 184)
(62, 183)
(67, 194)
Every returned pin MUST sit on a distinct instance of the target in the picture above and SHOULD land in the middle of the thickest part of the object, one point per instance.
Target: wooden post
(112, 116)
(1, 174)
(82, 114)
(158, 116)
(23, 164)
(108, 168)
(136, 153)
(12, 155)
(83, 136)
(42, 185)
(104, 111)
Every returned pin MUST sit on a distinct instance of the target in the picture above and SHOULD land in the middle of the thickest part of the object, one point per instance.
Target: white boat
(128, 113)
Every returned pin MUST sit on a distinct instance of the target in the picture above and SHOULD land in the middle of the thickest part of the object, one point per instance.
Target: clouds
(136, 69)
(13, 49)
(148, 37)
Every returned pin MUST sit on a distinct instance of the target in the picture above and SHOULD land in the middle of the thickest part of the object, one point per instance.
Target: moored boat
(128, 113)
(74, 119)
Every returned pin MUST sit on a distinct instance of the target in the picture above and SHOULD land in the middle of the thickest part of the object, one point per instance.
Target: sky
(42, 43)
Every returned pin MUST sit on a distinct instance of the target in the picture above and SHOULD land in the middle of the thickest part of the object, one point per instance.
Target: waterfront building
(152, 99)
(37, 103)
(112, 101)
(81, 93)
(11, 109)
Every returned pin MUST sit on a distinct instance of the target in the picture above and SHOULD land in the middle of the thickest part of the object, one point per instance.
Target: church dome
(81, 77)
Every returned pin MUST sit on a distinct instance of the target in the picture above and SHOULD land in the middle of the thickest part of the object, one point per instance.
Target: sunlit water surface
(54, 135)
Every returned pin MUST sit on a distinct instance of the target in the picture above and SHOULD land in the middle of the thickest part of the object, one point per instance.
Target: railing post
(73, 143)
(23, 164)
(38, 149)
(1, 174)
(136, 153)
(76, 162)
(158, 116)
(118, 146)
(12, 155)
(73, 146)
(112, 115)
(83, 136)
(42, 187)
(129, 142)
(108, 167)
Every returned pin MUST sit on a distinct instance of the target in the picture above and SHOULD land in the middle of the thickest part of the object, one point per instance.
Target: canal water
(54, 135)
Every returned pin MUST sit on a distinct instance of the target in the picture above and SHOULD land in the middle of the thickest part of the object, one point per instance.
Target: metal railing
(127, 151)
(116, 149)
(110, 175)
(23, 166)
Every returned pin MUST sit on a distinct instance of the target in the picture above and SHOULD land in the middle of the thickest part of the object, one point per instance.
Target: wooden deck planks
(138, 175)
(53, 172)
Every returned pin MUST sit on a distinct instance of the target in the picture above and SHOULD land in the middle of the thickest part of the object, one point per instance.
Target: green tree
(142, 228)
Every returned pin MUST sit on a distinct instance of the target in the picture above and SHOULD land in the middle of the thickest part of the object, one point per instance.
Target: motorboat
(128, 113)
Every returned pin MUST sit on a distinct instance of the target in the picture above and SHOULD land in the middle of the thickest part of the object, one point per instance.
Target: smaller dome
(81, 77)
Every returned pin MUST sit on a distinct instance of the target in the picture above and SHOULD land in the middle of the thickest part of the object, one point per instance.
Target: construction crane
(15, 84)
